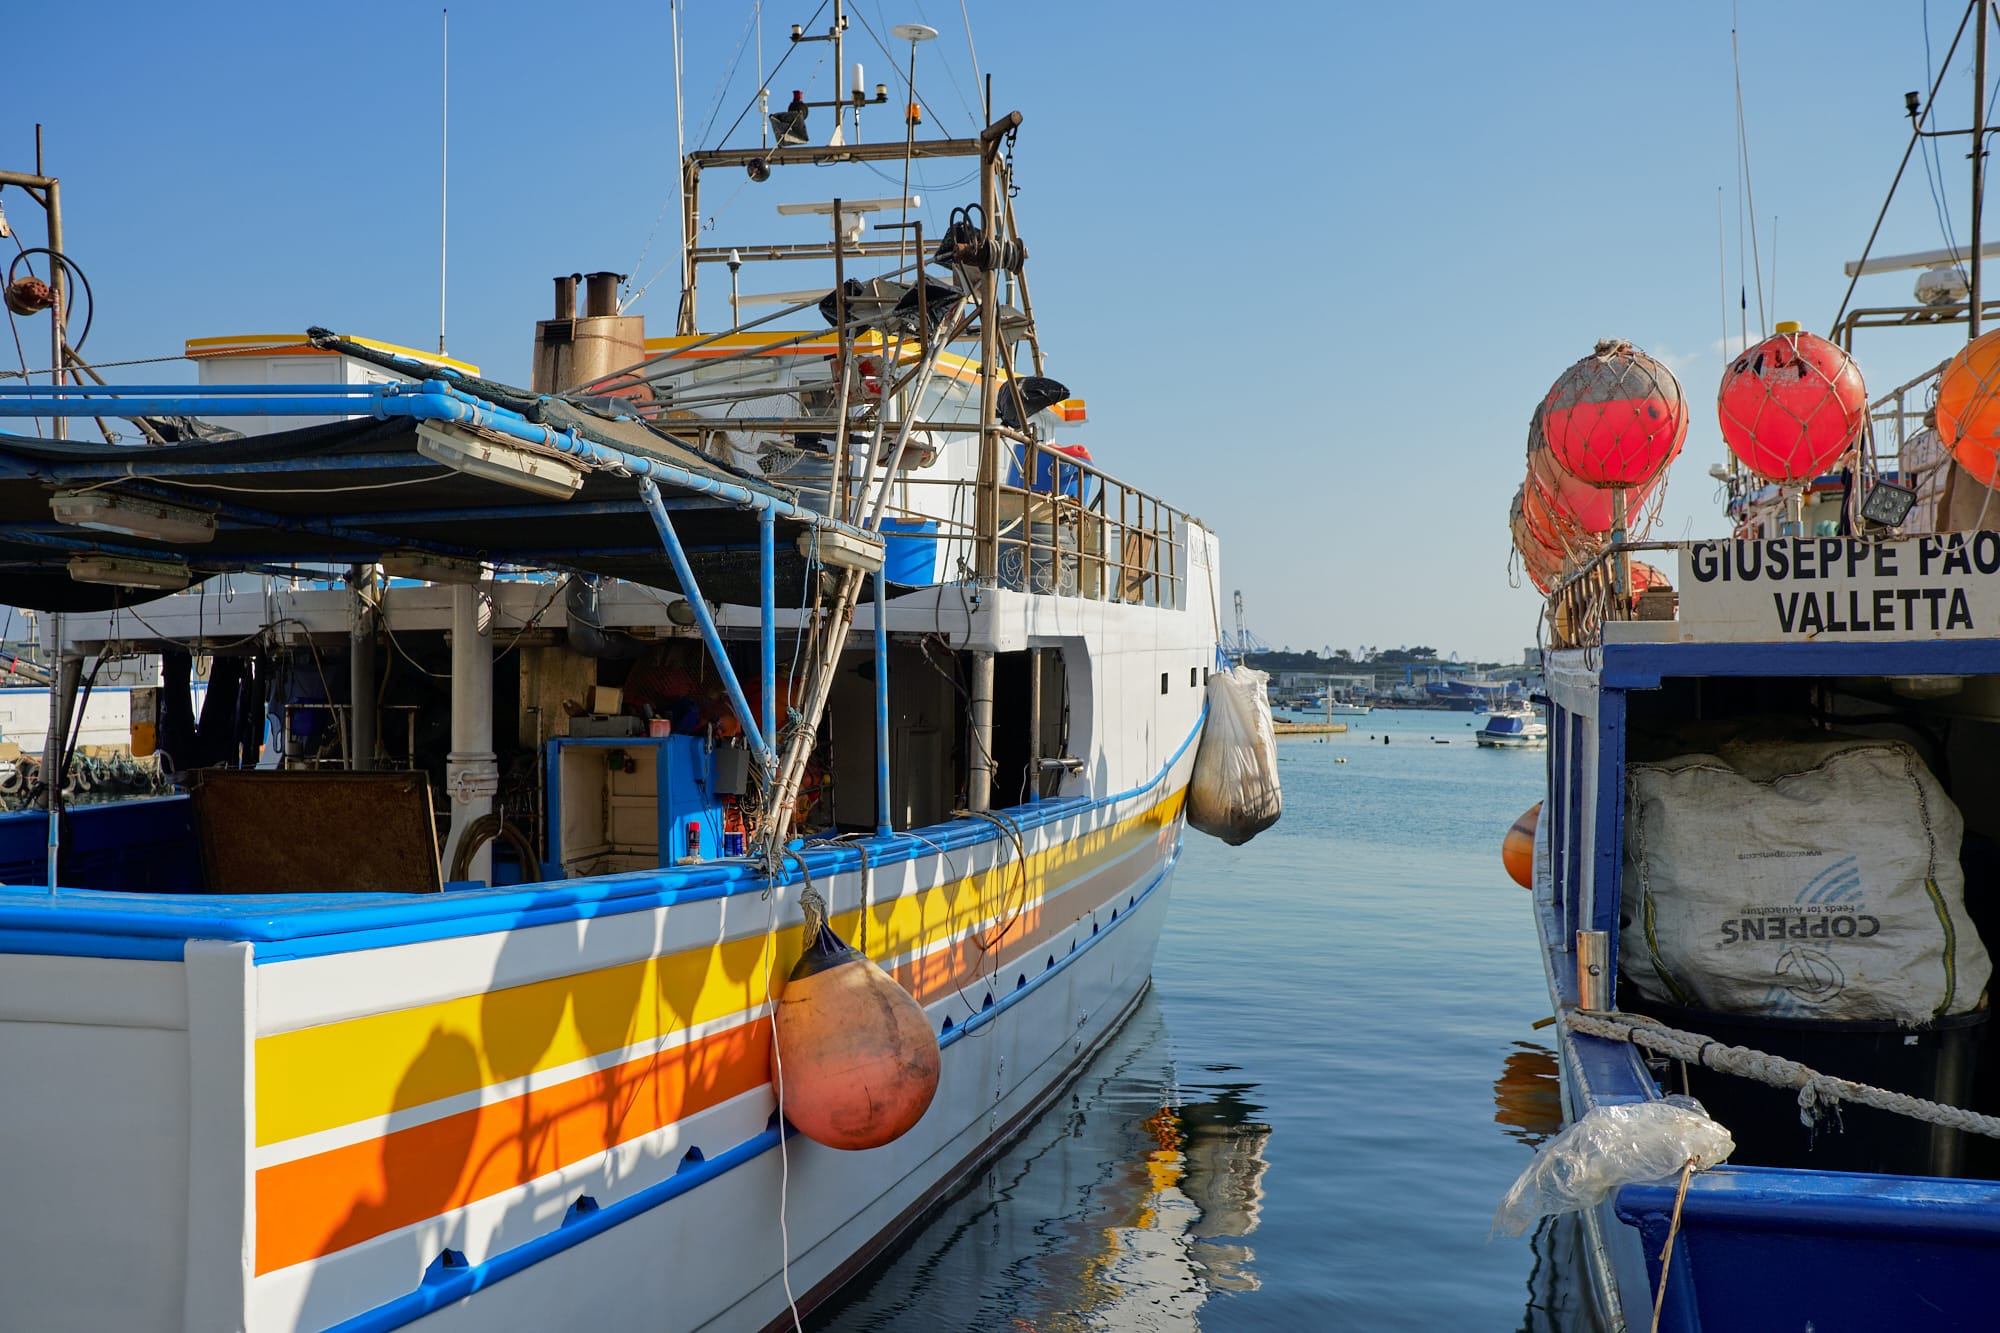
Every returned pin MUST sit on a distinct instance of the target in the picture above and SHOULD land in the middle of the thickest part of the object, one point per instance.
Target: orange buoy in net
(1542, 562)
(1517, 849)
(854, 1059)
(1645, 577)
(1968, 407)
(1791, 405)
(1616, 417)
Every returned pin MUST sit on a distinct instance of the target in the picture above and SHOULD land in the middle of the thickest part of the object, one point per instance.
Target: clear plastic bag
(1234, 793)
(1612, 1146)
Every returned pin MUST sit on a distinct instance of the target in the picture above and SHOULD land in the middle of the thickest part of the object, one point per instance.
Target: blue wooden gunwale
(109, 924)
(1872, 1251)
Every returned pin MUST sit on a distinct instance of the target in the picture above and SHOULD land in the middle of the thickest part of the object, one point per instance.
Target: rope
(1667, 1250)
(1818, 1092)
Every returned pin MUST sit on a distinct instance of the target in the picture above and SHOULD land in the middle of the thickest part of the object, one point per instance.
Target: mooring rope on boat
(1817, 1092)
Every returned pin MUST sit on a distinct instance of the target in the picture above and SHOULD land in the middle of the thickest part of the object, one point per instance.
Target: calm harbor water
(1309, 1122)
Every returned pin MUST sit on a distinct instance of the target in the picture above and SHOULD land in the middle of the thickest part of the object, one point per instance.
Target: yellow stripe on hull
(320, 1078)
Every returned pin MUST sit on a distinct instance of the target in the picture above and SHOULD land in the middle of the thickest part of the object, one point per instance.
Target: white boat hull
(535, 1125)
(1513, 741)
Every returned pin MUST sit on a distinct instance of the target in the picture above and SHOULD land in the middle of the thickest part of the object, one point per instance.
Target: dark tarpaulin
(282, 505)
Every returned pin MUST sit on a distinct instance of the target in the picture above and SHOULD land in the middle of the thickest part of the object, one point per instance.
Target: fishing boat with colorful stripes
(648, 837)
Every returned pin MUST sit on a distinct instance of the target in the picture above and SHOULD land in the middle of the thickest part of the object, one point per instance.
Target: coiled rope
(1818, 1093)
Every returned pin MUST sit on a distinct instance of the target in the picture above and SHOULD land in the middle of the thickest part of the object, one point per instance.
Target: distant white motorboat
(1513, 729)
(1326, 705)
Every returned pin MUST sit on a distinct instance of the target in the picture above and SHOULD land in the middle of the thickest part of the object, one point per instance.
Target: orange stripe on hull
(313, 1206)
(316, 1205)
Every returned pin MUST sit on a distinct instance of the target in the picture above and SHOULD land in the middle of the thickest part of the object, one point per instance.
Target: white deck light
(132, 516)
(479, 455)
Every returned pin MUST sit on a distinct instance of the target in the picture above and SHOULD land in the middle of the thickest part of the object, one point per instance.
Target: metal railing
(1062, 527)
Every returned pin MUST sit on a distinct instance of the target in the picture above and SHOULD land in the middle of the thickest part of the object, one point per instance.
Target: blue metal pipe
(767, 633)
(882, 825)
(189, 403)
(99, 392)
(650, 493)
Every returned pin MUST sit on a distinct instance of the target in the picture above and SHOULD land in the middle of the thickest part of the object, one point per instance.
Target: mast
(1978, 163)
(444, 160)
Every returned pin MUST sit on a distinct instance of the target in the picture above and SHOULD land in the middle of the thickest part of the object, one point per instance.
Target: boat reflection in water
(1527, 1097)
(1527, 1105)
(1126, 1206)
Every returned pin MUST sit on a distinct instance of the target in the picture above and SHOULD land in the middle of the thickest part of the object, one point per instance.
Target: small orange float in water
(854, 1059)
(1517, 849)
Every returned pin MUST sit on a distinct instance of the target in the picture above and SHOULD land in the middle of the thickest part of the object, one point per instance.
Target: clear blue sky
(1312, 265)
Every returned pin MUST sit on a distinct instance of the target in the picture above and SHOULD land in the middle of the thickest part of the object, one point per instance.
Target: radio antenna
(444, 158)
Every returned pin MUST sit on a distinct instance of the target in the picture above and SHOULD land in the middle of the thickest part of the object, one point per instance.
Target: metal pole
(472, 776)
(979, 776)
(767, 636)
(1593, 970)
(836, 500)
(760, 745)
(56, 741)
(1034, 724)
(1978, 162)
(883, 827)
(58, 359)
(361, 729)
(987, 506)
(1621, 562)
(444, 158)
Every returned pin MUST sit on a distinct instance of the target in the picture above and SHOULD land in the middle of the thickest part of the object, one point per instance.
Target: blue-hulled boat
(1516, 728)
(1863, 1191)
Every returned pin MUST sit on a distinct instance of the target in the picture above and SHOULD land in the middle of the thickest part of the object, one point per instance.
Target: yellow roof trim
(954, 366)
(293, 344)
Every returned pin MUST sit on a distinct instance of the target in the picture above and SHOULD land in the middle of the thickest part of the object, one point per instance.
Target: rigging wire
(970, 48)
(735, 62)
(869, 28)
(1721, 272)
(1749, 190)
(1916, 137)
(793, 48)
(1934, 166)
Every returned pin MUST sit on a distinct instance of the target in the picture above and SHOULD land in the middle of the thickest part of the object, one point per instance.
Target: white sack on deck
(1792, 878)
(1234, 793)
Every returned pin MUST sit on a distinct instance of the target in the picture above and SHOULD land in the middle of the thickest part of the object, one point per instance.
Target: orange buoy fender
(1517, 849)
(855, 1061)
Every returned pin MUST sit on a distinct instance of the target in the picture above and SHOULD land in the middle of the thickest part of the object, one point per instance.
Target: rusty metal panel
(316, 832)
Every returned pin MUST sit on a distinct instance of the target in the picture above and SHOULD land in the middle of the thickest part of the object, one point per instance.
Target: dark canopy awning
(350, 491)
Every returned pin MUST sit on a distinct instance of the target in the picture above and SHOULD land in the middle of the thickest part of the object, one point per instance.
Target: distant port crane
(1244, 641)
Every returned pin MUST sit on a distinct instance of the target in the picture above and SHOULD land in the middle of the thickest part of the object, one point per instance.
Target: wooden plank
(313, 832)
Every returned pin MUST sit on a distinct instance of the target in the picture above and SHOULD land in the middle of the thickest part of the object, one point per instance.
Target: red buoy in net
(1791, 405)
(1575, 504)
(1616, 418)
(853, 1057)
